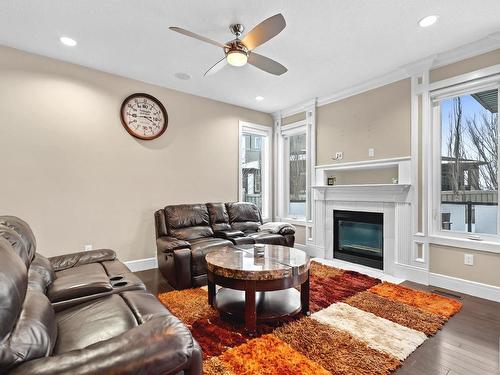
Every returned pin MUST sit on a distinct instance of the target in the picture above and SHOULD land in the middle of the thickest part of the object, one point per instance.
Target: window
(297, 169)
(294, 169)
(467, 198)
(254, 166)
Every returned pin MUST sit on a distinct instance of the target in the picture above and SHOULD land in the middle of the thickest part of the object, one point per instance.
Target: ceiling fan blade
(216, 67)
(266, 64)
(264, 31)
(196, 36)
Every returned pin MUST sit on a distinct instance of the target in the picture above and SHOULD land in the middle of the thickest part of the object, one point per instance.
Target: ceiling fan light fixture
(236, 57)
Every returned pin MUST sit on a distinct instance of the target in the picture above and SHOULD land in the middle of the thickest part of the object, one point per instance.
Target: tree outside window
(469, 162)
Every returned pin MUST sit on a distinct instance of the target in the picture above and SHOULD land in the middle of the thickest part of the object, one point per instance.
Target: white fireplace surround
(393, 200)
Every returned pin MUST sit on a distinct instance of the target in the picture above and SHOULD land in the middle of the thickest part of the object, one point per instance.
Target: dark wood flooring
(467, 345)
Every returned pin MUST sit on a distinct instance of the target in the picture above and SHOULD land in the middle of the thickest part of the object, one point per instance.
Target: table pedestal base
(269, 306)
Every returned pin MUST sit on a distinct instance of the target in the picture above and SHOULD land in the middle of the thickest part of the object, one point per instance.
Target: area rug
(359, 325)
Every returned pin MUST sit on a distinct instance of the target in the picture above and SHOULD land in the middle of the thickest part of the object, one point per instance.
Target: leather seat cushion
(79, 281)
(268, 238)
(200, 248)
(92, 322)
(243, 240)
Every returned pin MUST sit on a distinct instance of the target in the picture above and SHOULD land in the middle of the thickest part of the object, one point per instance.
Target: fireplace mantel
(393, 200)
(365, 192)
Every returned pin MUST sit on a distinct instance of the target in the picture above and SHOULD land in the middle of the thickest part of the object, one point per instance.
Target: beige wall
(374, 176)
(378, 119)
(293, 118)
(465, 66)
(74, 173)
(450, 261)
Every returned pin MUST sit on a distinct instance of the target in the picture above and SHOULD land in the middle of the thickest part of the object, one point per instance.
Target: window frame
(266, 175)
(477, 241)
(288, 131)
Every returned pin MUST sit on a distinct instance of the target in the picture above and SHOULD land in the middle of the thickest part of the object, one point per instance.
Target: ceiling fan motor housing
(237, 29)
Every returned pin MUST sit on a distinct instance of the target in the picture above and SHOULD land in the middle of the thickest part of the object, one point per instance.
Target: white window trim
(267, 194)
(290, 130)
(481, 242)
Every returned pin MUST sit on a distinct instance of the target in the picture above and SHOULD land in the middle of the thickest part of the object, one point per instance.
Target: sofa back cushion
(160, 224)
(34, 334)
(219, 219)
(17, 244)
(13, 285)
(244, 216)
(24, 230)
(188, 221)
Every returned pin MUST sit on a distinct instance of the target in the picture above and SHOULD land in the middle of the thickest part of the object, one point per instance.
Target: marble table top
(278, 262)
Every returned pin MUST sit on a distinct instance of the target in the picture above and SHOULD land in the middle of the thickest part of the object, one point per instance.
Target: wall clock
(143, 116)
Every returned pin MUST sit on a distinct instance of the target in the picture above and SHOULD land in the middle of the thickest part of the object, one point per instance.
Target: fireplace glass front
(358, 237)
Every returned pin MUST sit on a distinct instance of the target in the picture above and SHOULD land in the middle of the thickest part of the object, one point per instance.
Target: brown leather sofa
(186, 233)
(119, 331)
(72, 278)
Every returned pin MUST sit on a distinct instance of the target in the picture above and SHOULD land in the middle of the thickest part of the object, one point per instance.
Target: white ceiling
(327, 46)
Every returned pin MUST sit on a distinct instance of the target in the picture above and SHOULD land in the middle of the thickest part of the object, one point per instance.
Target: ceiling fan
(239, 51)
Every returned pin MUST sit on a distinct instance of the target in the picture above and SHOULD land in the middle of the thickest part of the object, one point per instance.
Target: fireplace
(358, 237)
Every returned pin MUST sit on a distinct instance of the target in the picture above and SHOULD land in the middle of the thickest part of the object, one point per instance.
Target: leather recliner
(186, 233)
(126, 332)
(71, 278)
(183, 238)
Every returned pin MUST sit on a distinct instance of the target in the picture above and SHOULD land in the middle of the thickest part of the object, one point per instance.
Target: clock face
(143, 116)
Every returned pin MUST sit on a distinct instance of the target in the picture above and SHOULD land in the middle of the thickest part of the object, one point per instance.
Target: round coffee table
(258, 288)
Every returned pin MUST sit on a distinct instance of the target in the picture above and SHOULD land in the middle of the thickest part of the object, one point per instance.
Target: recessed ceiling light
(67, 41)
(183, 76)
(259, 98)
(428, 21)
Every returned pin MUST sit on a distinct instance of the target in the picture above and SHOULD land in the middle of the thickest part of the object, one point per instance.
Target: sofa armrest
(228, 234)
(169, 244)
(282, 228)
(162, 345)
(62, 262)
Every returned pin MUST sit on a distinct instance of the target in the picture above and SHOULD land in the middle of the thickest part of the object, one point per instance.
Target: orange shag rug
(359, 325)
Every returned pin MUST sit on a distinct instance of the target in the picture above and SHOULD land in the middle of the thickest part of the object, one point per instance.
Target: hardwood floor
(467, 345)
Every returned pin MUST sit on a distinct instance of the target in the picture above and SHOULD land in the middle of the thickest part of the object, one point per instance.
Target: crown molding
(420, 66)
(484, 45)
(393, 76)
(302, 107)
(466, 51)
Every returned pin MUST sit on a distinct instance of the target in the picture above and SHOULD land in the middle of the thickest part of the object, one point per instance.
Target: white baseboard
(472, 288)
(410, 273)
(337, 263)
(314, 251)
(142, 264)
(300, 246)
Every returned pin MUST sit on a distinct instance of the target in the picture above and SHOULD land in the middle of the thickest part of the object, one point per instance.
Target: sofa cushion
(268, 238)
(13, 286)
(40, 274)
(24, 230)
(17, 244)
(79, 281)
(92, 322)
(219, 219)
(34, 335)
(200, 248)
(244, 216)
(188, 221)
